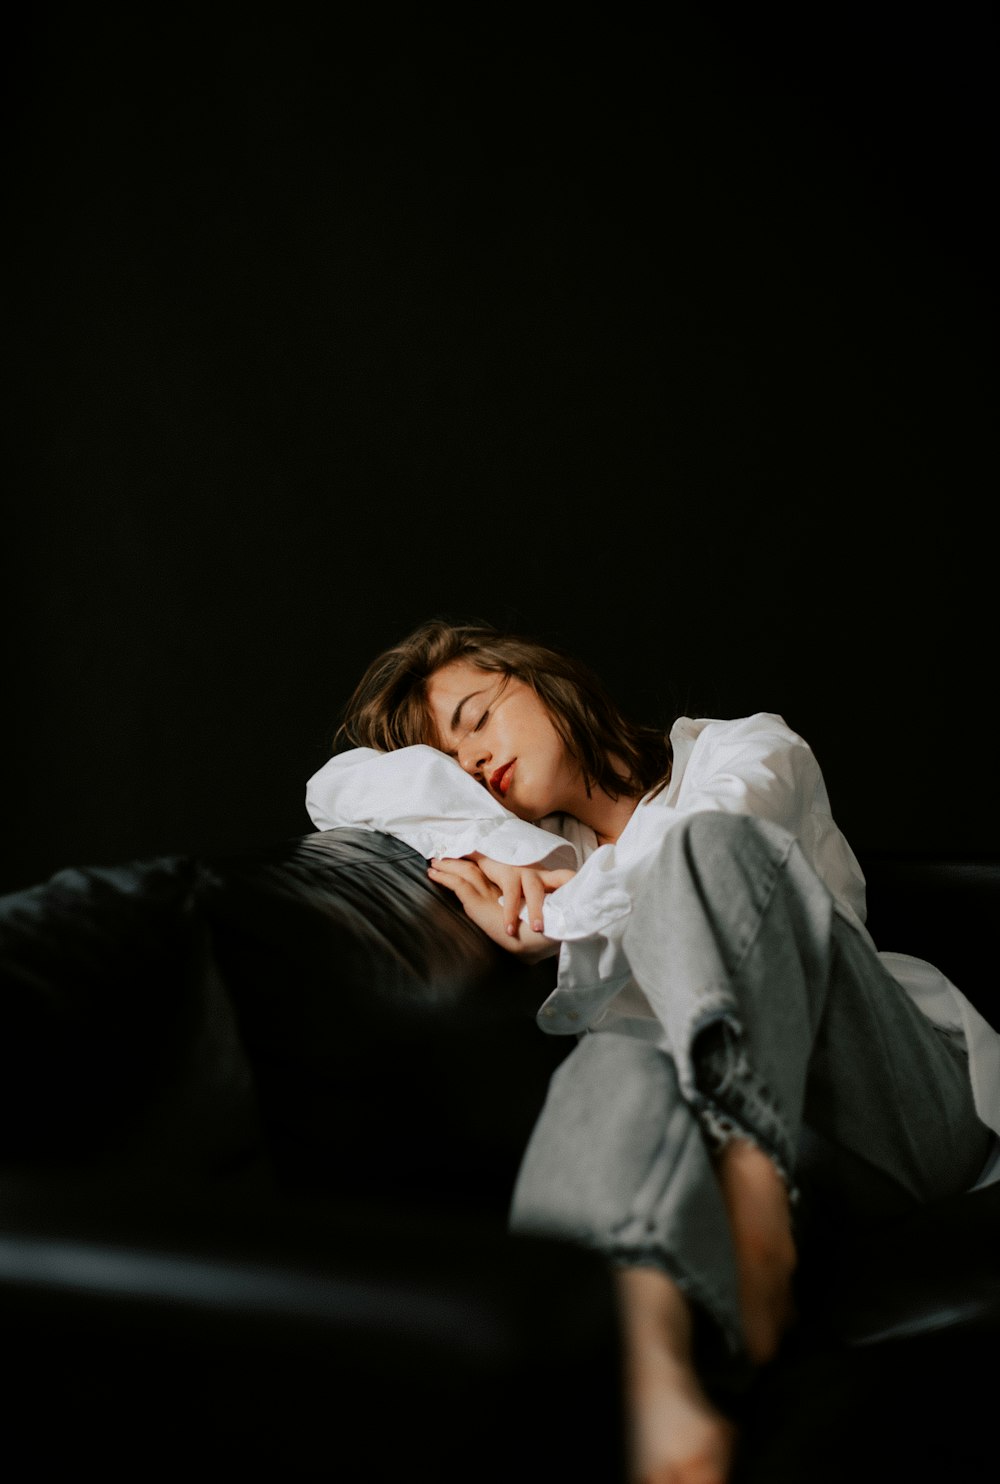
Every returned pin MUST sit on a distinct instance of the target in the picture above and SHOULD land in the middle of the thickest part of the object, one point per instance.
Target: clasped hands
(480, 883)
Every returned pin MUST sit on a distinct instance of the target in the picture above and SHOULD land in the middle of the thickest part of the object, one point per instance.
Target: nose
(473, 756)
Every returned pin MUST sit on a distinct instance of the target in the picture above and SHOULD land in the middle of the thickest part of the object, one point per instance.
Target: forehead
(450, 685)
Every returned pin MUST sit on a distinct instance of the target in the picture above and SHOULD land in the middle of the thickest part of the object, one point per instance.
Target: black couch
(261, 1117)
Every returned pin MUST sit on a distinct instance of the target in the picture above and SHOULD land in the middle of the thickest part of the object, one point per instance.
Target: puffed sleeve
(424, 798)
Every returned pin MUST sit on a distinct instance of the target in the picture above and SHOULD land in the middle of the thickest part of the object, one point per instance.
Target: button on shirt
(754, 765)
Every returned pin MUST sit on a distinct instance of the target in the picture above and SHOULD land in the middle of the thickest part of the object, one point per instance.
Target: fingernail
(511, 929)
(538, 924)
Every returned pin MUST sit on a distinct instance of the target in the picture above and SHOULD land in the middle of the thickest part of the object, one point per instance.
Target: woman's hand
(479, 883)
(521, 884)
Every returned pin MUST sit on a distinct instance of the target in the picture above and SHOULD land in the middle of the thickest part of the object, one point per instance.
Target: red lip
(500, 780)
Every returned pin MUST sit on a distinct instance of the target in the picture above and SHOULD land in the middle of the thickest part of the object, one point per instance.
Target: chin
(530, 816)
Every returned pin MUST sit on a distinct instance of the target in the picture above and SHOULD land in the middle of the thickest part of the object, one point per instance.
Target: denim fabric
(776, 1021)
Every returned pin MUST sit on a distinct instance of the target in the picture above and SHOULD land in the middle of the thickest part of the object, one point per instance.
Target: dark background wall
(673, 343)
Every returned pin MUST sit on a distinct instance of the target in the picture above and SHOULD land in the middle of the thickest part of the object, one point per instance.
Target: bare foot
(760, 1217)
(676, 1436)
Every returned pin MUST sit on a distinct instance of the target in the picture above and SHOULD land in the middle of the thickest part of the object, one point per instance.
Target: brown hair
(389, 706)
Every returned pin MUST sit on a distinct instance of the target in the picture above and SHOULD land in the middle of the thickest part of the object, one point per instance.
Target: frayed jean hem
(733, 1102)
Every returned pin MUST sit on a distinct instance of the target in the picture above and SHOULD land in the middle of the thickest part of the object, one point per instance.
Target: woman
(740, 1037)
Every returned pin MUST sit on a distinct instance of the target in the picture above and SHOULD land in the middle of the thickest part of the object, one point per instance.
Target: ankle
(758, 1206)
(655, 1310)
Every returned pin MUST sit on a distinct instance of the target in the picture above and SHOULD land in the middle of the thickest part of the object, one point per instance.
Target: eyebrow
(456, 715)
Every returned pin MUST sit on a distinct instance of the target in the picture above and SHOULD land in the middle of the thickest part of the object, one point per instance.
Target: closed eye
(481, 722)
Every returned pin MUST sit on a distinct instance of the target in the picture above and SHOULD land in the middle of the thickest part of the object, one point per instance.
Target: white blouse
(755, 765)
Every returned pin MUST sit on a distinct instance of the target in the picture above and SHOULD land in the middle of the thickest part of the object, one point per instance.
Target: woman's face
(502, 734)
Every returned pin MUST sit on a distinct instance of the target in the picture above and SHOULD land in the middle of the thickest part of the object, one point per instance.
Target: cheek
(555, 757)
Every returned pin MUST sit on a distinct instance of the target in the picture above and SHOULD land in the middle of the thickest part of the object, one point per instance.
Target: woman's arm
(489, 858)
(422, 797)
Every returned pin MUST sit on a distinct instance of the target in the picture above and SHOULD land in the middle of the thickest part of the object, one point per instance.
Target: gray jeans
(780, 1025)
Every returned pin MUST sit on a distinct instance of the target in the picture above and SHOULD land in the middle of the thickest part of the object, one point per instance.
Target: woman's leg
(778, 1015)
(772, 1012)
(760, 1223)
(618, 1161)
(676, 1435)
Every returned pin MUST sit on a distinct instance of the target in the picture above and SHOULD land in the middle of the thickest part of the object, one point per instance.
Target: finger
(459, 873)
(534, 896)
(512, 903)
(457, 866)
(445, 878)
(446, 873)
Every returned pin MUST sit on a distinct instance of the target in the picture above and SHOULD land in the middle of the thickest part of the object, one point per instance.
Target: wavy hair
(388, 708)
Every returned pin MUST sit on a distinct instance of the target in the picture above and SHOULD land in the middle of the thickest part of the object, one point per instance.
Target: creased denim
(774, 1018)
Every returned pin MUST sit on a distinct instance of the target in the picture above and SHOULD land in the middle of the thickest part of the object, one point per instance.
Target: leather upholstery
(254, 1100)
